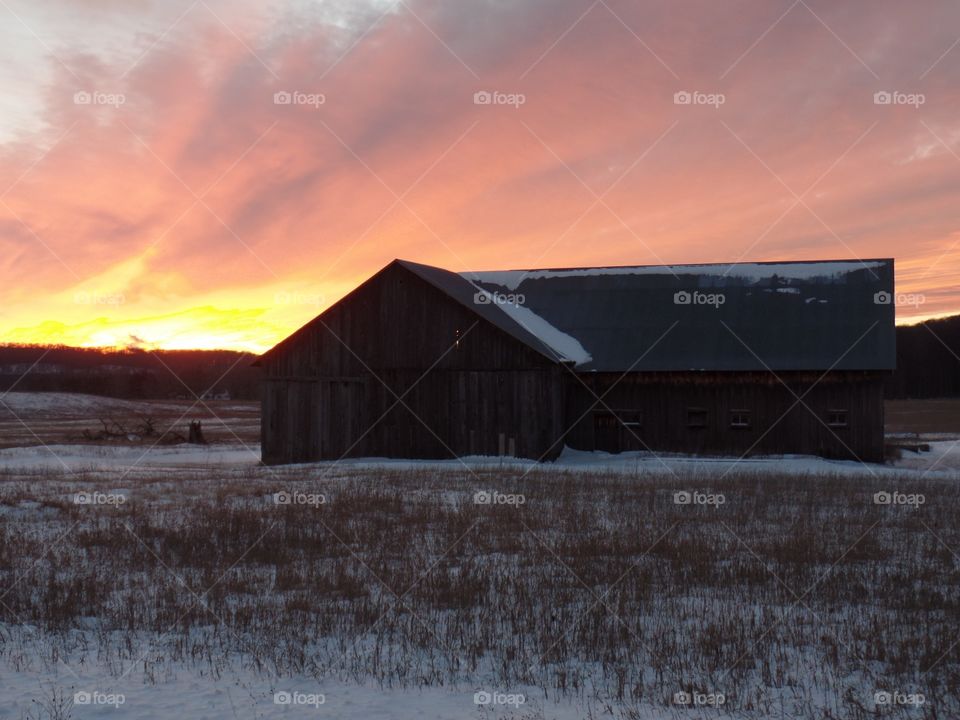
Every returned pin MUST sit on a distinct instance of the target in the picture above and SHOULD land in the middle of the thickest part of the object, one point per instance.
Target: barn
(715, 359)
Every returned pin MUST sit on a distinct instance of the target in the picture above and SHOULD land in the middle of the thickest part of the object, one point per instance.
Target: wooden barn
(750, 358)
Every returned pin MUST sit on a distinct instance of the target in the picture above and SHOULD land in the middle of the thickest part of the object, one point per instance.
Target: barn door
(342, 416)
(300, 428)
(606, 431)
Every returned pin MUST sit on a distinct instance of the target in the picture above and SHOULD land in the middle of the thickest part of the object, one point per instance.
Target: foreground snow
(106, 458)
(186, 694)
(942, 460)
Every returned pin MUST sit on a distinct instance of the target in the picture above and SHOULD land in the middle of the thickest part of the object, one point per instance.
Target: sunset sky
(156, 189)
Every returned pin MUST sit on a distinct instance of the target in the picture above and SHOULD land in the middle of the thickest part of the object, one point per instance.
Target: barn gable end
(465, 386)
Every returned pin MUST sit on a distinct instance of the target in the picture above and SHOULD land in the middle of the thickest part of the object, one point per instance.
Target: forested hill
(928, 365)
(928, 360)
(129, 373)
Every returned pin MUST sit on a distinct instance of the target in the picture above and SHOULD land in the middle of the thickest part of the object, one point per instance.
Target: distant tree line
(129, 373)
(928, 366)
(928, 360)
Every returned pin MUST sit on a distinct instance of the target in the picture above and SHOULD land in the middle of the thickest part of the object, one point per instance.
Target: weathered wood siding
(657, 408)
(464, 386)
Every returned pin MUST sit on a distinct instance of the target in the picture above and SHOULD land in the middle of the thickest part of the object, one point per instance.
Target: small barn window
(740, 419)
(696, 417)
(837, 418)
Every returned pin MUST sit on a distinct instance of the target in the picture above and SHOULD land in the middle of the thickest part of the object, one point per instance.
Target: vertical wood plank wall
(778, 423)
(399, 369)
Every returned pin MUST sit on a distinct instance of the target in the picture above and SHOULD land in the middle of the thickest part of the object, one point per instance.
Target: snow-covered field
(182, 694)
(55, 404)
(35, 419)
(155, 581)
(942, 460)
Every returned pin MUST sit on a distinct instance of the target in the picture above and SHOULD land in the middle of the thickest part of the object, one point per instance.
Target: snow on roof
(565, 346)
(511, 279)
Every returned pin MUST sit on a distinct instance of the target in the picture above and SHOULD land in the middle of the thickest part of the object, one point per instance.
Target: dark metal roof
(821, 315)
